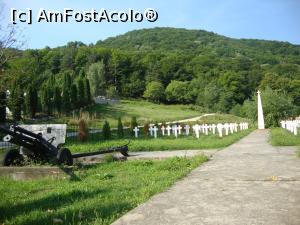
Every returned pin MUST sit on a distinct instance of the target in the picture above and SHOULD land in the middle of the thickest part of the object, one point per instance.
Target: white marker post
(136, 131)
(155, 129)
(163, 130)
(187, 130)
(169, 130)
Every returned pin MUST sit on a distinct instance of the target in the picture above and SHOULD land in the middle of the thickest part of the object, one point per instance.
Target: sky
(258, 19)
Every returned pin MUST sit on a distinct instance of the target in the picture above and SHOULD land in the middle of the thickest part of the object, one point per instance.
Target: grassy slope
(164, 143)
(101, 194)
(143, 110)
(281, 137)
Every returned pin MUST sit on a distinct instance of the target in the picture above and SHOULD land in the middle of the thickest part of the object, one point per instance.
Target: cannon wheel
(12, 158)
(64, 156)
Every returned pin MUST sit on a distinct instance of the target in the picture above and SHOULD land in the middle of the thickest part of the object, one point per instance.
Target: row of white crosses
(227, 127)
(178, 130)
(291, 125)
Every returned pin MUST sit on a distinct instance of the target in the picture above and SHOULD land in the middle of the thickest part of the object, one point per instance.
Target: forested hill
(162, 65)
(196, 41)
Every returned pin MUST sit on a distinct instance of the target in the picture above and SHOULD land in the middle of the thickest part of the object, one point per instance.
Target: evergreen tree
(120, 129)
(66, 100)
(57, 101)
(46, 99)
(133, 124)
(81, 92)
(31, 101)
(73, 97)
(16, 101)
(2, 107)
(67, 80)
(106, 131)
(87, 89)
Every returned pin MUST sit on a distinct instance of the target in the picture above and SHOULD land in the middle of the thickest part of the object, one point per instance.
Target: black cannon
(36, 147)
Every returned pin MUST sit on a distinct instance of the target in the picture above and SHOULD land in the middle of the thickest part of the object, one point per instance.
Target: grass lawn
(163, 143)
(142, 110)
(282, 137)
(101, 194)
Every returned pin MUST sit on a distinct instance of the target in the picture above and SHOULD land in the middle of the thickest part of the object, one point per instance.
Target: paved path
(249, 182)
(151, 155)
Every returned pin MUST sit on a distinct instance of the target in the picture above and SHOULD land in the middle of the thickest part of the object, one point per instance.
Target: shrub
(120, 129)
(83, 131)
(133, 124)
(146, 128)
(106, 131)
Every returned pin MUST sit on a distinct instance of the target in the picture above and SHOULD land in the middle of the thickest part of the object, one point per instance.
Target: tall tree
(73, 96)
(87, 89)
(3, 101)
(31, 100)
(57, 99)
(16, 101)
(96, 76)
(81, 92)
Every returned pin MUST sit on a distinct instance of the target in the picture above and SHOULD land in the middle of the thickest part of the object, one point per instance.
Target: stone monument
(260, 113)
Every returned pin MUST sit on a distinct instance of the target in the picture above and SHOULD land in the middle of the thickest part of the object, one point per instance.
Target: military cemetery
(119, 116)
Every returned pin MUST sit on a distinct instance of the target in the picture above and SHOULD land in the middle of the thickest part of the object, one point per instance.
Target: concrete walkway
(249, 182)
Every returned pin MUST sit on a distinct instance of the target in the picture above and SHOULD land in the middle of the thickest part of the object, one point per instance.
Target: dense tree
(47, 99)
(16, 101)
(57, 99)
(154, 92)
(87, 89)
(177, 91)
(96, 76)
(31, 101)
(73, 96)
(81, 92)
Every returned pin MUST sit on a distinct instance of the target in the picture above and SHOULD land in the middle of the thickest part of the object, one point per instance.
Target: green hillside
(162, 65)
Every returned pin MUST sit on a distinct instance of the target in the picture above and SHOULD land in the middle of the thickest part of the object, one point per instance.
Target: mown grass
(163, 143)
(282, 137)
(222, 118)
(100, 194)
(144, 112)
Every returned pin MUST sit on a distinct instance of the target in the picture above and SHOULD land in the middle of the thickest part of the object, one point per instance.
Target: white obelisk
(260, 113)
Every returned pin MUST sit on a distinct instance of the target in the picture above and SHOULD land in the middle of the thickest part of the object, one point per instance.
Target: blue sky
(259, 19)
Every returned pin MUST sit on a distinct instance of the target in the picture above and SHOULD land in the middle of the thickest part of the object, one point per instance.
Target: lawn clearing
(163, 143)
(282, 137)
(144, 111)
(101, 194)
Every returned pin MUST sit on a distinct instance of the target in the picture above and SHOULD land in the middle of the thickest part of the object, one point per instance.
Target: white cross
(205, 127)
(179, 129)
(175, 130)
(163, 130)
(187, 129)
(169, 130)
(213, 128)
(155, 129)
(136, 130)
(236, 127)
(226, 127)
(151, 131)
(220, 128)
(197, 129)
(231, 126)
(295, 125)
(241, 126)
